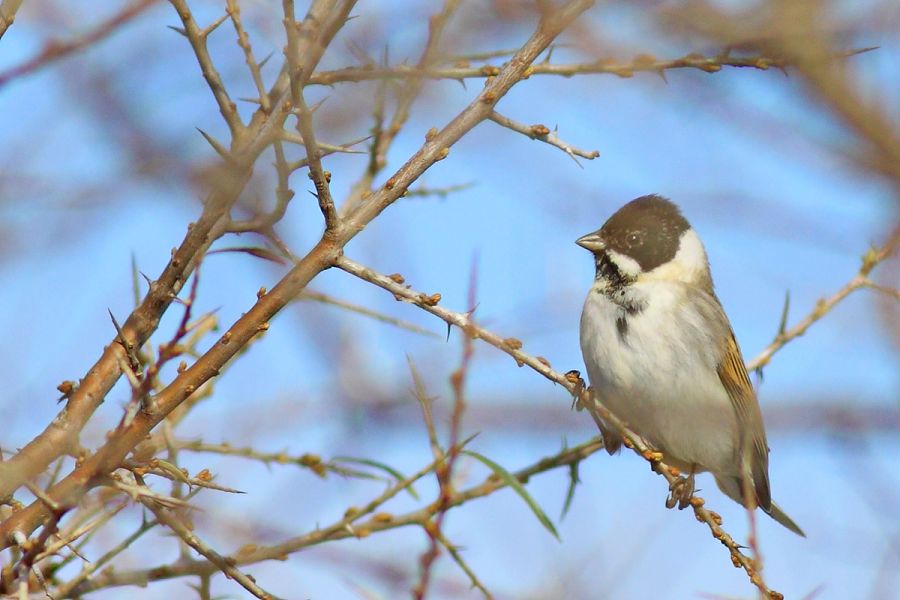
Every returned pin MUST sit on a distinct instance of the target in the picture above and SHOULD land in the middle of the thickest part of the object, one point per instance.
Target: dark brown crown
(647, 229)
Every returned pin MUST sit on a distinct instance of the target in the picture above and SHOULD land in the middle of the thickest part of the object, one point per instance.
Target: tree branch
(543, 134)
(61, 435)
(56, 50)
(824, 306)
(513, 347)
(642, 63)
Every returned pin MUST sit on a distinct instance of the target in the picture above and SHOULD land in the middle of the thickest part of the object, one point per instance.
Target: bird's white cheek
(689, 264)
(627, 265)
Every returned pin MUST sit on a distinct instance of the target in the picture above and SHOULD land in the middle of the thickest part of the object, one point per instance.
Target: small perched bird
(661, 354)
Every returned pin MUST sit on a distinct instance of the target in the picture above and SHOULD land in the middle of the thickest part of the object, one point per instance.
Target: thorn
(213, 26)
(782, 326)
(134, 363)
(759, 373)
(312, 109)
(448, 331)
(177, 30)
(218, 147)
(115, 323)
(359, 53)
(549, 56)
(863, 50)
(263, 62)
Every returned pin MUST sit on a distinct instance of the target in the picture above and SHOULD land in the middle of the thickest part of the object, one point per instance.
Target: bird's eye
(634, 238)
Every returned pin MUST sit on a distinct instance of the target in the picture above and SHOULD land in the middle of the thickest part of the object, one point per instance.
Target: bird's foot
(680, 492)
(580, 391)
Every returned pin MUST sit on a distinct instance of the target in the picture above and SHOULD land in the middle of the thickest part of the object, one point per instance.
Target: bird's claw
(680, 492)
(579, 389)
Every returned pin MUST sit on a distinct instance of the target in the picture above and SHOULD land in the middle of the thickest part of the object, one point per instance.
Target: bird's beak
(592, 242)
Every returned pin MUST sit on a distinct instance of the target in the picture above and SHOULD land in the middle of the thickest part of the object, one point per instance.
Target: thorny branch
(323, 255)
(176, 524)
(351, 525)
(643, 63)
(57, 50)
(861, 280)
(543, 133)
(306, 42)
(444, 470)
(61, 435)
(513, 347)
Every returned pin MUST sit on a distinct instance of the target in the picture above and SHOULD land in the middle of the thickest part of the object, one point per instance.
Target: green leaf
(513, 482)
(570, 493)
(381, 466)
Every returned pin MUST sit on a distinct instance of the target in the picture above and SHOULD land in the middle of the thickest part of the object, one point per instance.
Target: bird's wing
(753, 447)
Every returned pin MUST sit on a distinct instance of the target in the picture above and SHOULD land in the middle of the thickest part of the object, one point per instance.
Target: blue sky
(745, 154)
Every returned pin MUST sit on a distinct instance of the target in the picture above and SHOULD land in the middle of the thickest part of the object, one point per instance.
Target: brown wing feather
(753, 448)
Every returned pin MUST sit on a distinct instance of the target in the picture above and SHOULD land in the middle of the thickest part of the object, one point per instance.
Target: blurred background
(101, 164)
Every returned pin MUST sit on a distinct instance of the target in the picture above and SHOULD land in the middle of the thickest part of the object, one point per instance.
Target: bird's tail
(779, 515)
(731, 487)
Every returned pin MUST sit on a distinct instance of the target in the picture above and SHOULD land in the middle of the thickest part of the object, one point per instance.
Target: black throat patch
(616, 289)
(607, 270)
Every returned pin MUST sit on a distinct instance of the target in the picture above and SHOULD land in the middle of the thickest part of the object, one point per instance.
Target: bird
(661, 355)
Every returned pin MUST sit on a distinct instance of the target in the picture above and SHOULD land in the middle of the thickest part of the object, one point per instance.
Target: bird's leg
(681, 491)
(580, 391)
(583, 398)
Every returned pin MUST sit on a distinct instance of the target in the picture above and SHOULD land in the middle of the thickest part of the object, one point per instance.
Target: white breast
(659, 374)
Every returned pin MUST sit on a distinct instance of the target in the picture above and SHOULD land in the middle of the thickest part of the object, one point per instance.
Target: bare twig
(458, 559)
(56, 50)
(413, 87)
(197, 37)
(313, 462)
(349, 526)
(61, 435)
(320, 257)
(368, 312)
(89, 568)
(321, 178)
(383, 136)
(324, 148)
(426, 402)
(513, 347)
(176, 524)
(67, 538)
(640, 64)
(437, 143)
(233, 8)
(444, 470)
(543, 133)
(424, 191)
(869, 261)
